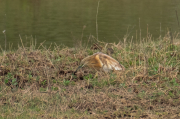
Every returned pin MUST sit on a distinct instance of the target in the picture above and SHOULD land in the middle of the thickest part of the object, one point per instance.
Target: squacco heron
(101, 61)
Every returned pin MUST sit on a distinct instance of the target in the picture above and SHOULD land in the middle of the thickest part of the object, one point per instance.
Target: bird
(101, 61)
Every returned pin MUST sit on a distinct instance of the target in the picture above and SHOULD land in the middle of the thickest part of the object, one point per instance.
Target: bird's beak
(78, 68)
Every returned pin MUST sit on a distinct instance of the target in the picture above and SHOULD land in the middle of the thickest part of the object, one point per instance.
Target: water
(62, 21)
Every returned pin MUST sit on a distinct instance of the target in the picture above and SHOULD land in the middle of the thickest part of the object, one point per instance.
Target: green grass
(39, 83)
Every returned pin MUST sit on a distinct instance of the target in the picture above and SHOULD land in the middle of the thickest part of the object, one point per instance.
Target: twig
(41, 44)
(177, 18)
(160, 29)
(5, 37)
(5, 32)
(96, 20)
(21, 41)
(140, 29)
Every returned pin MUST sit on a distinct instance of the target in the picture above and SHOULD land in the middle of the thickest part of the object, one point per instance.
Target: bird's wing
(116, 66)
(111, 64)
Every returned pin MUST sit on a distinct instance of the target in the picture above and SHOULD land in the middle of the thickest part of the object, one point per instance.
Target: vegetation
(40, 82)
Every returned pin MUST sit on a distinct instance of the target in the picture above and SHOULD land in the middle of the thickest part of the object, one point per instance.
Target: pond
(67, 21)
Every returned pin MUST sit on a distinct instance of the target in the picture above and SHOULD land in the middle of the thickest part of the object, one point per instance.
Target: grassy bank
(38, 82)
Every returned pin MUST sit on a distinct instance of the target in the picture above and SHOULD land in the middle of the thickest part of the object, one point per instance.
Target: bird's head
(84, 62)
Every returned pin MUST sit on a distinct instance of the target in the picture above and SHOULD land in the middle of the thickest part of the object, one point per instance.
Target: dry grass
(39, 83)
